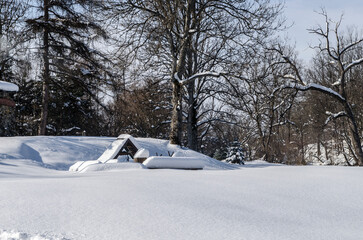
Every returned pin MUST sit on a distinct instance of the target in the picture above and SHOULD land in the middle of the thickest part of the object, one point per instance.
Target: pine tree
(66, 32)
(235, 153)
(28, 100)
(10, 38)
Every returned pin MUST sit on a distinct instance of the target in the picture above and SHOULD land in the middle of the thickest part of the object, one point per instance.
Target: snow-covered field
(39, 199)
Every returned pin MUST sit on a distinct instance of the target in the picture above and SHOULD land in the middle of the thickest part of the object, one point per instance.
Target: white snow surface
(253, 202)
(9, 87)
(174, 162)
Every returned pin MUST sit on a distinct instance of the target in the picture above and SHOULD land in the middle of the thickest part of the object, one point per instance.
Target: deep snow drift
(161, 153)
(256, 201)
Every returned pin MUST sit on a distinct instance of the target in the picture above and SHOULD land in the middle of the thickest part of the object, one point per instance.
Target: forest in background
(205, 74)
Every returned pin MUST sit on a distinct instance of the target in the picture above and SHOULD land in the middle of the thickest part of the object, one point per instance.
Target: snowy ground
(257, 201)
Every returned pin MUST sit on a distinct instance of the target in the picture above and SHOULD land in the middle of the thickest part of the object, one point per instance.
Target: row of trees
(202, 73)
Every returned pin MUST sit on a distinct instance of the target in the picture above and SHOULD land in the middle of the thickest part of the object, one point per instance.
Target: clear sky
(301, 14)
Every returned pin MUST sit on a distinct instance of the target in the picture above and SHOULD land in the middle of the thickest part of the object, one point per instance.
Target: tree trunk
(192, 129)
(318, 145)
(354, 135)
(45, 91)
(176, 117)
(302, 160)
(179, 68)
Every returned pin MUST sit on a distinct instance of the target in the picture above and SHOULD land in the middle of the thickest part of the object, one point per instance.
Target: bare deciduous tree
(336, 48)
(178, 30)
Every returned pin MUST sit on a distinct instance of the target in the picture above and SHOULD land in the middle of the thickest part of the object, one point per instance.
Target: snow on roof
(142, 153)
(112, 150)
(132, 139)
(9, 87)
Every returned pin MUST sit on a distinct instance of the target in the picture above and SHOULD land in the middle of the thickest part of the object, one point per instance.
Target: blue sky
(301, 13)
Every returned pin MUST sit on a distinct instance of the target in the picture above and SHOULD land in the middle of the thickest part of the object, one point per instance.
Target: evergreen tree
(11, 12)
(72, 110)
(28, 100)
(235, 153)
(66, 32)
(220, 154)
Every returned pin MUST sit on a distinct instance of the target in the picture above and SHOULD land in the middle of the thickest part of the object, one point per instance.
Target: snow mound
(61, 152)
(81, 166)
(9, 87)
(174, 162)
(158, 147)
(113, 166)
(55, 152)
(172, 156)
(19, 150)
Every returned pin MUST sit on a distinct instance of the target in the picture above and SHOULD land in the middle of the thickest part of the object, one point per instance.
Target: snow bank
(258, 201)
(61, 153)
(153, 147)
(158, 147)
(81, 166)
(174, 162)
(113, 166)
(19, 150)
(55, 152)
(9, 87)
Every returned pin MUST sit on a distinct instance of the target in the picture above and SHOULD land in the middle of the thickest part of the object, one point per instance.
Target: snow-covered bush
(220, 154)
(235, 153)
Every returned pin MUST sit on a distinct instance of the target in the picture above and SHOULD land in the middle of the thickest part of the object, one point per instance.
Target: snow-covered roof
(142, 153)
(9, 87)
(128, 136)
(114, 148)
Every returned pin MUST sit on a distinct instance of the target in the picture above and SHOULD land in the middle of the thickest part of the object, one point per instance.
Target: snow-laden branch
(354, 63)
(333, 116)
(9, 87)
(195, 76)
(337, 83)
(284, 123)
(351, 45)
(314, 86)
(290, 76)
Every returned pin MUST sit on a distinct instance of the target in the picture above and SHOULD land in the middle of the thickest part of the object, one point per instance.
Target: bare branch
(333, 116)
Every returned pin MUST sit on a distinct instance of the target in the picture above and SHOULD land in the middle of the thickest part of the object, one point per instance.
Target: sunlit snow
(40, 199)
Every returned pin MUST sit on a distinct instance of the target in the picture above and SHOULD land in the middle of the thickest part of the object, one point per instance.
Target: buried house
(148, 153)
